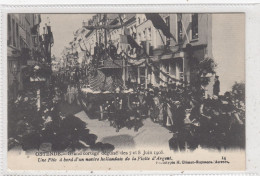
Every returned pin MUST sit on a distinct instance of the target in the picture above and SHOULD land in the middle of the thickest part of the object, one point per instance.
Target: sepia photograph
(114, 82)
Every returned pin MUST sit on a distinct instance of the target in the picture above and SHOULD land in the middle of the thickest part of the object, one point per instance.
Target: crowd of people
(187, 113)
(67, 84)
(193, 118)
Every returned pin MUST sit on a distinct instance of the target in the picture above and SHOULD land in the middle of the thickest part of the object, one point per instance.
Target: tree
(205, 67)
(238, 91)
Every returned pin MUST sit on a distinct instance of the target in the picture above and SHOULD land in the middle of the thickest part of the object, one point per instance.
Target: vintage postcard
(126, 91)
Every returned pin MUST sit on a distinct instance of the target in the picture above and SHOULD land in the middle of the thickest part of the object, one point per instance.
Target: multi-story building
(173, 57)
(186, 28)
(22, 41)
(26, 49)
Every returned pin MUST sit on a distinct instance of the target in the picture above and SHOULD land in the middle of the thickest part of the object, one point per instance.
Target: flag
(51, 38)
(159, 23)
(128, 37)
(132, 42)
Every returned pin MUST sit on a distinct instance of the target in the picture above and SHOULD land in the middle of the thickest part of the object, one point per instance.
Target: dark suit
(216, 87)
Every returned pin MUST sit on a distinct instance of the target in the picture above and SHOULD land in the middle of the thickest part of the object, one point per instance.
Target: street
(150, 134)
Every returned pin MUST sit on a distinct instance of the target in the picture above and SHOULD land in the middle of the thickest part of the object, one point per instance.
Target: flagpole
(97, 37)
(124, 66)
(146, 72)
(105, 22)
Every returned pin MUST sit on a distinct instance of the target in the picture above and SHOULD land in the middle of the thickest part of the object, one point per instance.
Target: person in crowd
(156, 109)
(112, 50)
(76, 93)
(161, 107)
(120, 104)
(96, 50)
(170, 109)
(179, 116)
(77, 75)
(182, 133)
(109, 109)
(134, 107)
(142, 103)
(149, 101)
(70, 94)
(129, 84)
(216, 86)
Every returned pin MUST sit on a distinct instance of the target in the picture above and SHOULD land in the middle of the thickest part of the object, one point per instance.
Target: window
(9, 30)
(134, 35)
(166, 66)
(167, 21)
(21, 43)
(139, 20)
(149, 34)
(194, 28)
(9, 23)
(17, 34)
(13, 26)
(179, 28)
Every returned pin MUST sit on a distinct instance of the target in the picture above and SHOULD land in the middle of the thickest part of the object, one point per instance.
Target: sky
(228, 42)
(63, 26)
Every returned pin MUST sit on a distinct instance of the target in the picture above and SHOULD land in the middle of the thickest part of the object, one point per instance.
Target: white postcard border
(252, 71)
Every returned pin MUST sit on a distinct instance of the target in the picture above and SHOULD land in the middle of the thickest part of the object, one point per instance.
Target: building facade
(193, 30)
(170, 59)
(23, 40)
(26, 48)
